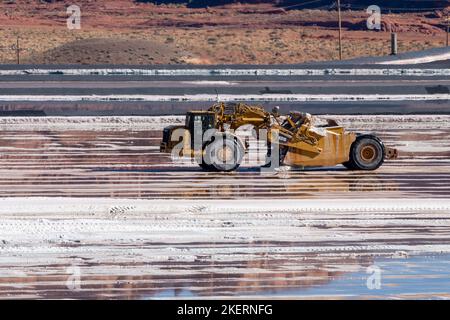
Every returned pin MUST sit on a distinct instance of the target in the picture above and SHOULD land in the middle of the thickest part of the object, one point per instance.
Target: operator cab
(200, 119)
(197, 122)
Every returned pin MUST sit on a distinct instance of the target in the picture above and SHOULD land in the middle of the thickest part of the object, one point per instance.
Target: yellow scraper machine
(210, 136)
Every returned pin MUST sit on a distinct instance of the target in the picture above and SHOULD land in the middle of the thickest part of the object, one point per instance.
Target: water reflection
(201, 278)
(190, 184)
(128, 164)
(422, 277)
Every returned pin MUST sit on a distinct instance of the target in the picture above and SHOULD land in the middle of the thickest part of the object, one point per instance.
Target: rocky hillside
(401, 5)
(267, 32)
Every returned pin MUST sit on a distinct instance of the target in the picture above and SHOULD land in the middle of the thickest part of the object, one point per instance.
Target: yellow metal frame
(308, 146)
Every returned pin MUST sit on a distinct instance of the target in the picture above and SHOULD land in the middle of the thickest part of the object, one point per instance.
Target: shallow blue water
(417, 277)
(424, 276)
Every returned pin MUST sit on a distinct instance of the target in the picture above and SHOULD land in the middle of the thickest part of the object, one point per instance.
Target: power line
(301, 4)
(351, 6)
(332, 4)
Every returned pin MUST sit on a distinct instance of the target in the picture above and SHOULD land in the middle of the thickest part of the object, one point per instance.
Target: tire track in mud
(206, 255)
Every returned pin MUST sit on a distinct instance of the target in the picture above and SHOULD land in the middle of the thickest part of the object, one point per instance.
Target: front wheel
(366, 153)
(206, 167)
(224, 153)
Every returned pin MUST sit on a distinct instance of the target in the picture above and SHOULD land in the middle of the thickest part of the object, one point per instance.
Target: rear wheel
(348, 165)
(224, 153)
(366, 153)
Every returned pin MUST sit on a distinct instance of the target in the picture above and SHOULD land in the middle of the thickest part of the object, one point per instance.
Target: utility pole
(340, 28)
(448, 26)
(394, 44)
(18, 50)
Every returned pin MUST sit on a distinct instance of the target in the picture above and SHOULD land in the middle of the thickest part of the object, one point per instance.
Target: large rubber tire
(348, 165)
(224, 154)
(206, 167)
(366, 153)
